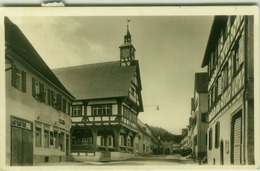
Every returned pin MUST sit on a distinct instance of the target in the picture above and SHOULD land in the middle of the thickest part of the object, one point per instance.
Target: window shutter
(41, 92)
(33, 87)
(23, 81)
(13, 75)
(59, 101)
(49, 96)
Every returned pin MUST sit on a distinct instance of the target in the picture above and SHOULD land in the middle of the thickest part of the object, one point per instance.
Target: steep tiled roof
(201, 82)
(20, 45)
(101, 80)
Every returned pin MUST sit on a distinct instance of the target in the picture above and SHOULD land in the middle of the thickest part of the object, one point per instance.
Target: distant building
(199, 123)
(145, 142)
(37, 105)
(185, 139)
(108, 101)
(229, 59)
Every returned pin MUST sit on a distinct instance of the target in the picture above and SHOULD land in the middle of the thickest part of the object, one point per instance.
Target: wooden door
(21, 147)
(237, 141)
(221, 152)
(236, 138)
(27, 148)
(17, 147)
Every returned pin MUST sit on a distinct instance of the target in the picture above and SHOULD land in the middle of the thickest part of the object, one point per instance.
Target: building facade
(108, 101)
(145, 142)
(199, 112)
(37, 105)
(229, 60)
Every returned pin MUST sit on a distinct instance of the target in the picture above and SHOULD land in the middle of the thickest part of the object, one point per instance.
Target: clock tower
(127, 50)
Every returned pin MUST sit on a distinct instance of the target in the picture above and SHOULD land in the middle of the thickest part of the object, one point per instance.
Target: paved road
(154, 160)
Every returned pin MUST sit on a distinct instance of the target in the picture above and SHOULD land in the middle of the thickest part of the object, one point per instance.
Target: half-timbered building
(108, 101)
(229, 60)
(37, 105)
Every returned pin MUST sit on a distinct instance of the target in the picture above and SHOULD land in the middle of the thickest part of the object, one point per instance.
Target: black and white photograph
(131, 87)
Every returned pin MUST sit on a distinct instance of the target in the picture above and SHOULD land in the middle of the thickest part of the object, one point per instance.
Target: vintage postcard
(135, 88)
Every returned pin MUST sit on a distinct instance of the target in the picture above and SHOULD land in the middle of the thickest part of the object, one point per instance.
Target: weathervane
(127, 21)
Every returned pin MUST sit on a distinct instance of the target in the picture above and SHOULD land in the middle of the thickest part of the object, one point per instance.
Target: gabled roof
(201, 82)
(100, 80)
(20, 45)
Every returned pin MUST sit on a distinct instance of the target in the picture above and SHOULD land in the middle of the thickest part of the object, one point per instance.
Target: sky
(170, 50)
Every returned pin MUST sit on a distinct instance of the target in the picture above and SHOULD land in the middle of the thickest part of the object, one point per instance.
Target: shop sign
(21, 123)
(61, 121)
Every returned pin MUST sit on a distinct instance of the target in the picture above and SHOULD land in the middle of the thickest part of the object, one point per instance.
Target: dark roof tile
(94, 81)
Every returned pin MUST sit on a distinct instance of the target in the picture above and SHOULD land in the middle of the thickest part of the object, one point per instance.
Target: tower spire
(127, 38)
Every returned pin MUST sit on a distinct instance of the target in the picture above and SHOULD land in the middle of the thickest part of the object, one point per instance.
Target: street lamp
(157, 106)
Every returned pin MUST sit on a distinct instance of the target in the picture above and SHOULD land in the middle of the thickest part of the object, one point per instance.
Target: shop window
(38, 137)
(56, 139)
(51, 138)
(122, 140)
(46, 138)
(61, 145)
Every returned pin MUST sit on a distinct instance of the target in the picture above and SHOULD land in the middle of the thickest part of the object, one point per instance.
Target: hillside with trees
(164, 134)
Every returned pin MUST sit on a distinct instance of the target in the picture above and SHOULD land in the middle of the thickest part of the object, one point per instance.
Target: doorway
(21, 147)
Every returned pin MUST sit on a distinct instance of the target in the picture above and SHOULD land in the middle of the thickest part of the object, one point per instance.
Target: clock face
(125, 53)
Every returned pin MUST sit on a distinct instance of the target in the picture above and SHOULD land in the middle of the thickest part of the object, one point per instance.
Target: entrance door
(236, 139)
(221, 152)
(22, 147)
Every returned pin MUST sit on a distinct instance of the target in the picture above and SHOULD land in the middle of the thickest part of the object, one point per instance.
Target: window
(64, 106)
(122, 140)
(100, 140)
(38, 135)
(18, 78)
(225, 76)
(61, 145)
(129, 144)
(77, 110)
(56, 139)
(110, 141)
(210, 138)
(238, 54)
(51, 138)
(217, 132)
(45, 90)
(46, 138)
(101, 110)
(204, 117)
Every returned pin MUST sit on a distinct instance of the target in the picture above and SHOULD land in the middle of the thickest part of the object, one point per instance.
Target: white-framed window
(101, 110)
(77, 110)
